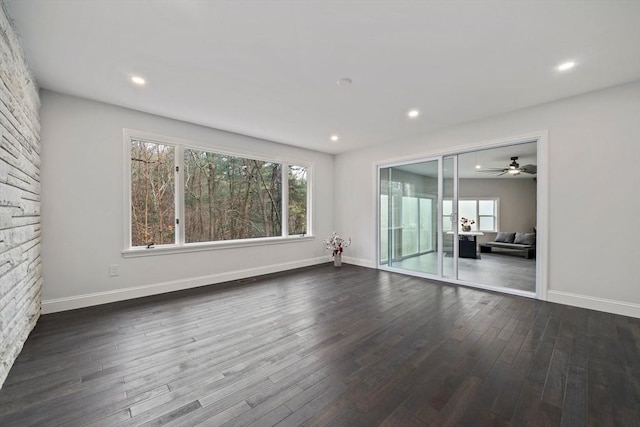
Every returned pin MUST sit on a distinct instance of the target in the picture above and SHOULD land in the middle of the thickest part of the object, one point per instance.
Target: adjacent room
(362, 213)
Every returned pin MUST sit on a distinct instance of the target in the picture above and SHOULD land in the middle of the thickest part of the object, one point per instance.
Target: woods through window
(182, 195)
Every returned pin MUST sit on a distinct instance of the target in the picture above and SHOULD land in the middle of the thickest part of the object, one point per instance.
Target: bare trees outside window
(228, 198)
(152, 193)
(221, 196)
(297, 200)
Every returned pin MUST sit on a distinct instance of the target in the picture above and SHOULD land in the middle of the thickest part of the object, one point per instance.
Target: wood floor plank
(265, 406)
(554, 387)
(575, 413)
(324, 346)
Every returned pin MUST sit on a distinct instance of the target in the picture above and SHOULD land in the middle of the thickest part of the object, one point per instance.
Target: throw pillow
(525, 239)
(504, 237)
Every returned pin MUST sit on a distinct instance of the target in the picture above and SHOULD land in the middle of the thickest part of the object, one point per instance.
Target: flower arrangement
(466, 223)
(336, 244)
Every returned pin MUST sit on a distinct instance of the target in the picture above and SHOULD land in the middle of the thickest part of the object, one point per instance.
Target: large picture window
(182, 195)
(229, 198)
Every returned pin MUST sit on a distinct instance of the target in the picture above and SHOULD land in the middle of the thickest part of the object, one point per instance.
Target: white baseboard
(87, 300)
(358, 261)
(600, 304)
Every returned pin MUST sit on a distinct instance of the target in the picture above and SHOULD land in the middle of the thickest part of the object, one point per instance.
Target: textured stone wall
(20, 267)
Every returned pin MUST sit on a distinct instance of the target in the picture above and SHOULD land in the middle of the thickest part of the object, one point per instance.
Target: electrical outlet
(113, 270)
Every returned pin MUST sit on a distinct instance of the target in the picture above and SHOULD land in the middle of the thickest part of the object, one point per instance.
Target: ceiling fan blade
(500, 174)
(492, 170)
(532, 169)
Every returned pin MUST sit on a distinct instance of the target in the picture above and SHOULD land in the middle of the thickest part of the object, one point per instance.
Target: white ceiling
(269, 68)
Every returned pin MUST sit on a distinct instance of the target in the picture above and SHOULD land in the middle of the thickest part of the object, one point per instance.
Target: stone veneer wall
(20, 267)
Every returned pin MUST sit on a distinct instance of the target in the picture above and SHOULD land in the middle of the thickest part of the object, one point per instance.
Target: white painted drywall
(594, 196)
(82, 208)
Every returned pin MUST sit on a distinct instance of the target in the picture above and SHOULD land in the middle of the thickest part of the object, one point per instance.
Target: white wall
(82, 208)
(594, 200)
(594, 153)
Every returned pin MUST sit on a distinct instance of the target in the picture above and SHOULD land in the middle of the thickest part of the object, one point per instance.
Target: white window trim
(181, 246)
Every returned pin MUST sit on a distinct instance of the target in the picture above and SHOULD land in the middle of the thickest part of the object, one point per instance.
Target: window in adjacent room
(484, 213)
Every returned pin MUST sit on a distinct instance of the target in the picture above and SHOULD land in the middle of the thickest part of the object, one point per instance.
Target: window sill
(212, 246)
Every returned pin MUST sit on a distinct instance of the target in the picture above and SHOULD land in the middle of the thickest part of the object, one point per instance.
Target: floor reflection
(492, 269)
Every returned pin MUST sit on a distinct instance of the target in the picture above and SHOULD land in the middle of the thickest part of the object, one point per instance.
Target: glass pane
(488, 184)
(384, 228)
(447, 205)
(297, 200)
(448, 269)
(447, 208)
(486, 223)
(395, 218)
(384, 215)
(486, 207)
(230, 197)
(407, 216)
(409, 226)
(152, 194)
(467, 210)
(427, 225)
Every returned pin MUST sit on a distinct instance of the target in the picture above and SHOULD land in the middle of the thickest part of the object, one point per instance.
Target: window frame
(179, 245)
(496, 216)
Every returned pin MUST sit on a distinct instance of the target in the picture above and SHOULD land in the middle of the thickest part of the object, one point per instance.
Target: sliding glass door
(408, 217)
(445, 217)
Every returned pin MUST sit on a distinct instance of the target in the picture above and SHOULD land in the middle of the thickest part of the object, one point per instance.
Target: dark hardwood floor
(326, 346)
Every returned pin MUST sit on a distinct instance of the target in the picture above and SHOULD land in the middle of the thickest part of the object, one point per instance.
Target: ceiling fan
(514, 168)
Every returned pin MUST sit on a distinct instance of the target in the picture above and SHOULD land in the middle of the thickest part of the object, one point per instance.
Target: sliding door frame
(378, 262)
(542, 210)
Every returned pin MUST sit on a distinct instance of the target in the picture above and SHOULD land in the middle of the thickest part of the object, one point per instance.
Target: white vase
(337, 260)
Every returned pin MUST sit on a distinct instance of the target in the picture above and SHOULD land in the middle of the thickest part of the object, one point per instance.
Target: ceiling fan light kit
(513, 169)
(514, 164)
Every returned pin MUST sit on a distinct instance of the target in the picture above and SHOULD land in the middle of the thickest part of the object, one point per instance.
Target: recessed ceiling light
(566, 66)
(345, 81)
(138, 80)
(334, 137)
(478, 166)
(413, 114)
